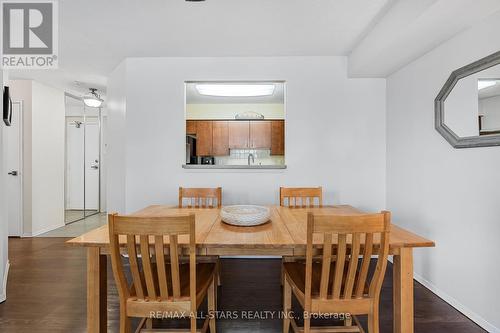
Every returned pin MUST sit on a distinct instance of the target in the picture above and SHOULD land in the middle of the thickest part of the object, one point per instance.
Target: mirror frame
(450, 136)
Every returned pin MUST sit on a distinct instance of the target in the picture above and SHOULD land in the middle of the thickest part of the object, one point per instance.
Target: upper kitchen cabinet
(204, 143)
(191, 127)
(220, 138)
(239, 134)
(260, 134)
(278, 137)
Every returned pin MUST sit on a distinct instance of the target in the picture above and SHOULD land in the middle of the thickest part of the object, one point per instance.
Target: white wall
(3, 210)
(116, 140)
(229, 111)
(43, 157)
(448, 195)
(490, 109)
(335, 131)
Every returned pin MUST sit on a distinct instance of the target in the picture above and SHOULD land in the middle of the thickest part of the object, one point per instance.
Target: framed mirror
(467, 109)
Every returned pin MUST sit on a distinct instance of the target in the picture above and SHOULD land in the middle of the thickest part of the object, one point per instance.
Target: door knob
(13, 173)
(95, 167)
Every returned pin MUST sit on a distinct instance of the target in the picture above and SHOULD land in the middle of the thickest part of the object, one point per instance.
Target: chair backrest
(357, 238)
(146, 240)
(298, 196)
(200, 197)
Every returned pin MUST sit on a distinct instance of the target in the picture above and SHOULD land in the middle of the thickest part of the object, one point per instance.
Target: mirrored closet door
(83, 138)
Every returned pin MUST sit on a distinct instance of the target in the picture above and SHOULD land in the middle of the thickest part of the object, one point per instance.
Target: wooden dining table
(283, 235)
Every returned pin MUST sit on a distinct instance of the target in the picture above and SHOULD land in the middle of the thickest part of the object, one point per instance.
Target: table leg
(97, 293)
(403, 291)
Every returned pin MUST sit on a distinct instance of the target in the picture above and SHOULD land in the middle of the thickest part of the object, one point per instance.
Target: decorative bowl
(245, 215)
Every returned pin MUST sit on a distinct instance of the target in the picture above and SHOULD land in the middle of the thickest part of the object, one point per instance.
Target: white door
(13, 146)
(92, 165)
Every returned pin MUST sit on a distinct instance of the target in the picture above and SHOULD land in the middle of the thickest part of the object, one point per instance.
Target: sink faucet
(253, 158)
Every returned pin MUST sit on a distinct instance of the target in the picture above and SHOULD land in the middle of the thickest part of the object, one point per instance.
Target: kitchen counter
(253, 166)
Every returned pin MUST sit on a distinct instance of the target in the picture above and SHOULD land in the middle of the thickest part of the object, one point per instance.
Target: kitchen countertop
(214, 166)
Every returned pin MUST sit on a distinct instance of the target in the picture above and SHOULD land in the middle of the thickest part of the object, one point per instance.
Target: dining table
(283, 235)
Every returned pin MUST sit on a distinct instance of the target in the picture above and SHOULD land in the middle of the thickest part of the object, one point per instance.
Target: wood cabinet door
(220, 141)
(203, 138)
(191, 127)
(278, 137)
(260, 134)
(239, 133)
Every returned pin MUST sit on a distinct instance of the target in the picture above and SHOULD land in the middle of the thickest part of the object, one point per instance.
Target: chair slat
(365, 265)
(160, 262)
(201, 197)
(325, 269)
(146, 266)
(134, 267)
(298, 197)
(353, 266)
(174, 263)
(339, 266)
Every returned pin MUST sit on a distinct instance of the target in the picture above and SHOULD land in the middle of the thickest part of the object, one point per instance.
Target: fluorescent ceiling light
(235, 90)
(482, 84)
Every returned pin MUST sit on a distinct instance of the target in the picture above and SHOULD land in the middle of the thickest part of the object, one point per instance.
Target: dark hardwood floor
(46, 293)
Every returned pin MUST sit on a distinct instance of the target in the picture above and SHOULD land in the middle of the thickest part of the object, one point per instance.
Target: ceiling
(95, 35)
(492, 91)
(194, 97)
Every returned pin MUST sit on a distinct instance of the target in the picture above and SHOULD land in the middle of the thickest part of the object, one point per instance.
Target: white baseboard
(47, 229)
(456, 304)
(3, 292)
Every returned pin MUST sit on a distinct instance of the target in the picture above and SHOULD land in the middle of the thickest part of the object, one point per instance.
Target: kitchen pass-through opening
(235, 124)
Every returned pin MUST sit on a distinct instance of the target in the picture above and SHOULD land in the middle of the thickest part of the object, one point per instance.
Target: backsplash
(240, 157)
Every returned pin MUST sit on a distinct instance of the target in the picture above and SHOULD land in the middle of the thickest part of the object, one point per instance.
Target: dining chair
(298, 197)
(341, 281)
(301, 196)
(158, 285)
(200, 197)
(203, 198)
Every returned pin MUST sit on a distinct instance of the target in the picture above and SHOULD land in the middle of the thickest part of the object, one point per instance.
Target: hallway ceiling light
(482, 84)
(92, 99)
(235, 90)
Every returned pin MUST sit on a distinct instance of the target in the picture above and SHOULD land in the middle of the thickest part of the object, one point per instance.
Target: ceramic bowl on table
(245, 215)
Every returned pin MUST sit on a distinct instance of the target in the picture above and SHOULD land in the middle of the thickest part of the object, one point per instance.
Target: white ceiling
(96, 35)
(492, 91)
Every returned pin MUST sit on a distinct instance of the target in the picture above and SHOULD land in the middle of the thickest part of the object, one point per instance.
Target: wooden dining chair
(203, 198)
(301, 196)
(158, 285)
(340, 283)
(200, 197)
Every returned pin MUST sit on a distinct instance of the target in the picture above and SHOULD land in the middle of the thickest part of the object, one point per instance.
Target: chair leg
(124, 320)
(193, 322)
(212, 304)
(373, 319)
(282, 271)
(287, 305)
(219, 283)
(307, 324)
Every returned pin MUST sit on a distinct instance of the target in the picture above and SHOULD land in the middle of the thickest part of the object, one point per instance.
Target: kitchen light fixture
(92, 99)
(235, 90)
(482, 84)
